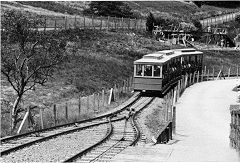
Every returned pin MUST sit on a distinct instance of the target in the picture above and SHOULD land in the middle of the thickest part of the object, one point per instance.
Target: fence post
(141, 27)
(135, 24)
(94, 102)
(194, 74)
(110, 96)
(115, 92)
(55, 114)
(103, 98)
(93, 23)
(88, 103)
(122, 23)
(45, 24)
(66, 111)
(208, 75)
(65, 22)
(197, 76)
(186, 81)
(75, 22)
(108, 23)
(202, 76)
(213, 73)
(127, 85)
(190, 79)
(229, 71)
(129, 21)
(98, 96)
(24, 120)
(115, 24)
(55, 24)
(79, 106)
(205, 70)
(84, 22)
(101, 23)
(41, 118)
(237, 71)
(174, 120)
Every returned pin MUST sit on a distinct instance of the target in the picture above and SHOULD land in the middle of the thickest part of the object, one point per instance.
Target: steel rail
(75, 157)
(107, 136)
(5, 152)
(134, 124)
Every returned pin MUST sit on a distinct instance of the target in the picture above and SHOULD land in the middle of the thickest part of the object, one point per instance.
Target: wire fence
(85, 22)
(219, 19)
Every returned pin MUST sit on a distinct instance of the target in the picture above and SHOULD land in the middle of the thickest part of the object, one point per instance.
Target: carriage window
(139, 70)
(148, 70)
(156, 71)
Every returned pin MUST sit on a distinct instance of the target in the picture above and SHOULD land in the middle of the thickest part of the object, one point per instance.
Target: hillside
(97, 59)
(171, 9)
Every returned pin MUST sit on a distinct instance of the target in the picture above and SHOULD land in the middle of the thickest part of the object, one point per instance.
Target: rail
(134, 124)
(48, 137)
(109, 133)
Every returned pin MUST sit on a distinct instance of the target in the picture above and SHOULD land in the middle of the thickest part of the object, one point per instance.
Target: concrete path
(202, 131)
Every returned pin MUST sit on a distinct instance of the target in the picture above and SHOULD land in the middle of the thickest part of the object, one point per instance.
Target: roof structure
(161, 57)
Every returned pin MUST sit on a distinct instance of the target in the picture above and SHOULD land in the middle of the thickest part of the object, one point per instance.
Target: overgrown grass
(53, 6)
(222, 59)
(96, 60)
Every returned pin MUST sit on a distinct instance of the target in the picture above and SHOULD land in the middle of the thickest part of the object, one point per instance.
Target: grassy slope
(101, 59)
(171, 9)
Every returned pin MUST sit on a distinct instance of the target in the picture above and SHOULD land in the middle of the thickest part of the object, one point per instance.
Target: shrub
(237, 19)
(150, 22)
(109, 8)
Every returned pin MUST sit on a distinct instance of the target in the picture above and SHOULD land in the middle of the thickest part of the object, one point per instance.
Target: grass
(222, 60)
(101, 59)
(96, 60)
(155, 119)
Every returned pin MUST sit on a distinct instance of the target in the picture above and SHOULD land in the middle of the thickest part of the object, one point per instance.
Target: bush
(237, 19)
(197, 24)
(109, 8)
(150, 22)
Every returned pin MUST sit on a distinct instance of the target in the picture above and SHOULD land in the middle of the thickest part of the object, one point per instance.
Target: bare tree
(28, 57)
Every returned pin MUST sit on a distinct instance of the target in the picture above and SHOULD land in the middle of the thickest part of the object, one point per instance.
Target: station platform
(202, 129)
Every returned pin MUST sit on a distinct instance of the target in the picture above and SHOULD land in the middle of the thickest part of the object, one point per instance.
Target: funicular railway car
(157, 72)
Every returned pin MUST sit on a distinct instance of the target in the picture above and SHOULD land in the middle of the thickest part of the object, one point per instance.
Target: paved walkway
(202, 131)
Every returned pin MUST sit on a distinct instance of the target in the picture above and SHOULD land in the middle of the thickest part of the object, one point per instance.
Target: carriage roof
(161, 57)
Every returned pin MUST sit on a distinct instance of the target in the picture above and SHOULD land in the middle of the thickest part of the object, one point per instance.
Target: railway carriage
(156, 72)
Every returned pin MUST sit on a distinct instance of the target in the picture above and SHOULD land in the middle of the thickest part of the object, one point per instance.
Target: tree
(28, 57)
(237, 19)
(197, 24)
(150, 22)
(109, 8)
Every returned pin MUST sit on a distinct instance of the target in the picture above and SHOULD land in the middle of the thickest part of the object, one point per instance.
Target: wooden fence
(79, 109)
(219, 19)
(235, 126)
(89, 106)
(99, 23)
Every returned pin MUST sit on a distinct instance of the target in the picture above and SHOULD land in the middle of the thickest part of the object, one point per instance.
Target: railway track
(124, 133)
(13, 143)
(36, 142)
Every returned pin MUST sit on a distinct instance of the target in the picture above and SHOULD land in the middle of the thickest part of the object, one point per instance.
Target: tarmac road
(202, 130)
